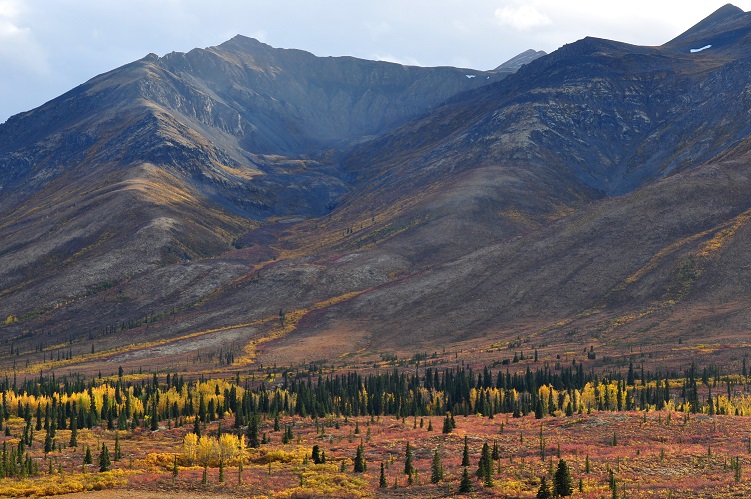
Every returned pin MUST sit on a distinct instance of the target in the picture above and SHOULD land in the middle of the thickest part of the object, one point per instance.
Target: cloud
(521, 17)
(18, 47)
(378, 29)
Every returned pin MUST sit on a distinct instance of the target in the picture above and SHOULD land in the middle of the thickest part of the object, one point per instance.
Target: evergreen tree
(447, 426)
(408, 468)
(48, 443)
(73, 429)
(465, 485)
(485, 466)
(465, 453)
(544, 491)
(360, 466)
(87, 459)
(496, 455)
(196, 427)
(539, 410)
(316, 455)
(174, 468)
(118, 451)
(562, 480)
(382, 479)
(436, 469)
(104, 459)
(154, 417)
(253, 431)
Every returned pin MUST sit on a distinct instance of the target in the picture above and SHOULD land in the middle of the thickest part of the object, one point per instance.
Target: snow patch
(470, 76)
(705, 47)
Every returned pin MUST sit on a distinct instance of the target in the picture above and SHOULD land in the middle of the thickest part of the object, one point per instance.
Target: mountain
(169, 159)
(516, 62)
(290, 208)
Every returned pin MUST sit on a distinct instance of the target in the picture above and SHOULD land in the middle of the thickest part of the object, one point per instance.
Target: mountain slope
(599, 188)
(170, 159)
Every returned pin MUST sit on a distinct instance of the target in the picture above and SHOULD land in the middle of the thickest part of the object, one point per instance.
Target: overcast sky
(49, 46)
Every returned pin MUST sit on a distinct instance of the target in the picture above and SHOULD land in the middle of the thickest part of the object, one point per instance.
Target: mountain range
(274, 204)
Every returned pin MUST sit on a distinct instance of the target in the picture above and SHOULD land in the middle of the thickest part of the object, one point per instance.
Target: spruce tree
(48, 443)
(465, 485)
(485, 466)
(87, 459)
(252, 431)
(562, 480)
(544, 491)
(447, 426)
(196, 427)
(465, 453)
(408, 468)
(360, 466)
(104, 459)
(154, 417)
(436, 468)
(382, 479)
(73, 429)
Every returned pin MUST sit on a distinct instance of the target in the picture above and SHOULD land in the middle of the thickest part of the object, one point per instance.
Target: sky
(48, 47)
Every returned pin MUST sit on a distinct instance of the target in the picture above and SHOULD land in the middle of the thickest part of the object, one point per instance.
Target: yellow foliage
(47, 485)
(325, 484)
(164, 460)
(282, 456)
(190, 447)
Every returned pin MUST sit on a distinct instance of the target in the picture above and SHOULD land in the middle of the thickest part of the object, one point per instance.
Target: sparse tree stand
(562, 480)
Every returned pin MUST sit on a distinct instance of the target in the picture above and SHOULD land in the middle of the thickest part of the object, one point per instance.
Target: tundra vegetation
(537, 431)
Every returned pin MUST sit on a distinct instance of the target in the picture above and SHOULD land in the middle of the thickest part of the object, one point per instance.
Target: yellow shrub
(164, 460)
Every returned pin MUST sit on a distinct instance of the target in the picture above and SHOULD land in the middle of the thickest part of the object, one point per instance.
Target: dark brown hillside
(283, 207)
(171, 159)
(660, 252)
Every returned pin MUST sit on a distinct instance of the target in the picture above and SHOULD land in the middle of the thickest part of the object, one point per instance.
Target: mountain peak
(726, 20)
(519, 60)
